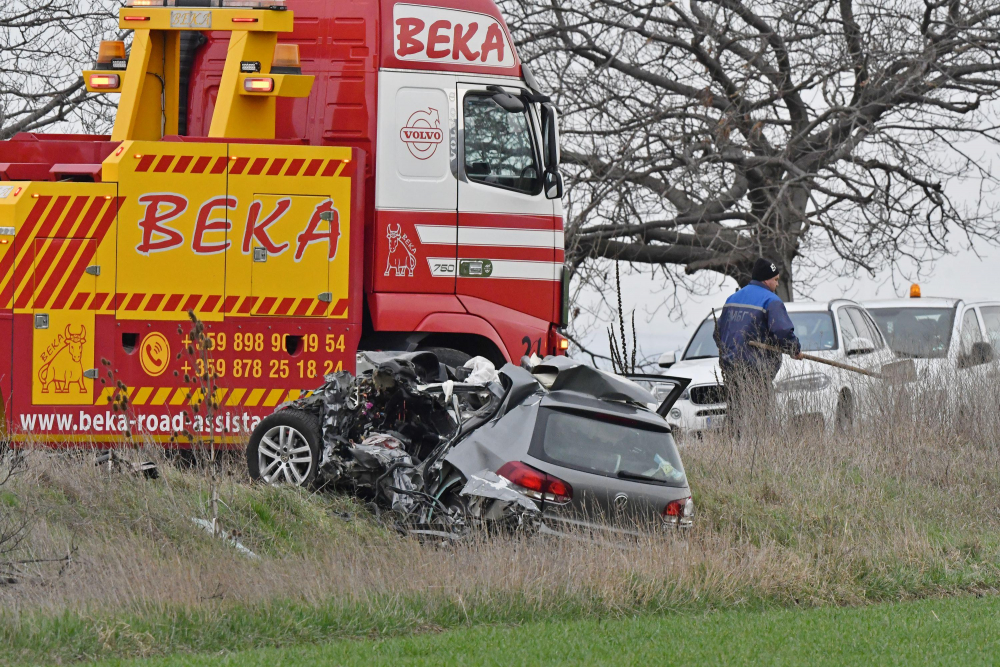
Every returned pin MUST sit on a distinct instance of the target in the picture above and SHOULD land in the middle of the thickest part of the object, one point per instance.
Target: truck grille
(708, 394)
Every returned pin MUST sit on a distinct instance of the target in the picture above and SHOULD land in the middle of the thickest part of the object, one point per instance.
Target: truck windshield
(499, 150)
(922, 333)
(814, 329)
(626, 449)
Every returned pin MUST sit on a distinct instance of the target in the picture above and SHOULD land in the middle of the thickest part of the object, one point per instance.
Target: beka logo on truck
(164, 207)
(450, 36)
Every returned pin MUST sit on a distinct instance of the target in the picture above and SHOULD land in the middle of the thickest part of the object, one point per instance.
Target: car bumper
(687, 418)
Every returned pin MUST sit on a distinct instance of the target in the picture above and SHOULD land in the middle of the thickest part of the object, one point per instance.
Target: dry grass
(905, 505)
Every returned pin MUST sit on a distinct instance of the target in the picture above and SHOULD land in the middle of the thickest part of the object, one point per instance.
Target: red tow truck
(310, 178)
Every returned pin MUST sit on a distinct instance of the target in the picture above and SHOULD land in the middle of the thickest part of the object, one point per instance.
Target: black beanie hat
(764, 269)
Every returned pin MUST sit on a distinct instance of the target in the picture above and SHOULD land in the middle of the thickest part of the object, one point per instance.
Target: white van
(940, 334)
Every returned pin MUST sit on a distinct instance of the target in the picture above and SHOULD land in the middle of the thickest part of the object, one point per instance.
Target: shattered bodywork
(435, 444)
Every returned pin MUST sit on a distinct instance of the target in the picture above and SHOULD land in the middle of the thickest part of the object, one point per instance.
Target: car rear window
(590, 444)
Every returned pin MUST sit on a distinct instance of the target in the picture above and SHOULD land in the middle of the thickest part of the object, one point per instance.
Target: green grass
(957, 631)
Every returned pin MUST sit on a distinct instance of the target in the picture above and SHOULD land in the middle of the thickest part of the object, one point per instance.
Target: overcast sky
(963, 275)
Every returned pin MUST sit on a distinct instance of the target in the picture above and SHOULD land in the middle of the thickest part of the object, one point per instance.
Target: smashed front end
(383, 436)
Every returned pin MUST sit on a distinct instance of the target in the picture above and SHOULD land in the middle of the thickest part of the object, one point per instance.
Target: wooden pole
(821, 360)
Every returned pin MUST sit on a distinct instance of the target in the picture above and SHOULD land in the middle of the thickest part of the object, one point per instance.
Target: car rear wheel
(284, 449)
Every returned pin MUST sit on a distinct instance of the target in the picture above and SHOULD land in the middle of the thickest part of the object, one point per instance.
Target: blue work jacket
(754, 313)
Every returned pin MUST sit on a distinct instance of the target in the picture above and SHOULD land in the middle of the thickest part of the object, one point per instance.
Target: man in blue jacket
(754, 313)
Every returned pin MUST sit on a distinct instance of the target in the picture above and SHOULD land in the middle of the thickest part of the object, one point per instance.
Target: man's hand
(797, 356)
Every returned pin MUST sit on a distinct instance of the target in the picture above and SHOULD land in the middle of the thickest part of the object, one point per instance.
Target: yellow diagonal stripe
(105, 396)
(273, 398)
(179, 397)
(254, 398)
(161, 395)
(142, 395)
(236, 396)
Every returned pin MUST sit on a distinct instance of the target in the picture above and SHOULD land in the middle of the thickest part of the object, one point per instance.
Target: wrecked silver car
(561, 445)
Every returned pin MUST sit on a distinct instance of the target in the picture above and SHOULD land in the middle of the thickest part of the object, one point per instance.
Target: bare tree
(44, 44)
(826, 135)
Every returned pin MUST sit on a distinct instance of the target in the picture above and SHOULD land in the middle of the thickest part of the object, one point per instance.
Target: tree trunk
(784, 290)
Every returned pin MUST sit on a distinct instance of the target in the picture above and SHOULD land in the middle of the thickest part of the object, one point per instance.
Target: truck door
(63, 292)
(507, 230)
(282, 275)
(416, 184)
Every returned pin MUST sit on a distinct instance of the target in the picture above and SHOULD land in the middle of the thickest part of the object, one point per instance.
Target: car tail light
(536, 484)
(258, 85)
(679, 512)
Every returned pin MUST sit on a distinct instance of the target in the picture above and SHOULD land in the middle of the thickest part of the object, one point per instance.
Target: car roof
(804, 306)
(919, 302)
(816, 306)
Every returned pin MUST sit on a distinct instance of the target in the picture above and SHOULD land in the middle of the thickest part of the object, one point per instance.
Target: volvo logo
(620, 501)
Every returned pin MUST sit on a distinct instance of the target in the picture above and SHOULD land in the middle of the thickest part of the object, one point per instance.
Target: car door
(991, 319)
(508, 232)
(666, 388)
(416, 190)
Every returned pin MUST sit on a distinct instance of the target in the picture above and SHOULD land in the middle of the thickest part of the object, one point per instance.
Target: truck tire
(449, 356)
(284, 449)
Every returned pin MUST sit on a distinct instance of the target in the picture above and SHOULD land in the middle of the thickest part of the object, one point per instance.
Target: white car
(702, 405)
(940, 335)
(839, 330)
(829, 397)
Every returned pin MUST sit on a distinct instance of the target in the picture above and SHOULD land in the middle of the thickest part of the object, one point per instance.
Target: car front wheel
(284, 448)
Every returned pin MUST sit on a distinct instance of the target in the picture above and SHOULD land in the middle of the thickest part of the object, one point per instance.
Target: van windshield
(814, 329)
(922, 333)
(614, 449)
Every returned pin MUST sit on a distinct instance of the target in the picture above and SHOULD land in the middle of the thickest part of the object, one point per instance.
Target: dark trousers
(749, 398)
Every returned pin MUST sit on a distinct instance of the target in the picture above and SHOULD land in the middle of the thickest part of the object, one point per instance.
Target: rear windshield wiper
(624, 474)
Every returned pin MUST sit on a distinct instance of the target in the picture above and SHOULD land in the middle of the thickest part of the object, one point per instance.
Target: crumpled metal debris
(211, 528)
(113, 461)
(387, 431)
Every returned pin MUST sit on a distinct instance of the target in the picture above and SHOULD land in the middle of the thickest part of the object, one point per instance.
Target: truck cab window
(499, 149)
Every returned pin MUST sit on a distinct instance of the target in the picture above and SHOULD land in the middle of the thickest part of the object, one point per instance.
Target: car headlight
(675, 414)
(686, 396)
(807, 382)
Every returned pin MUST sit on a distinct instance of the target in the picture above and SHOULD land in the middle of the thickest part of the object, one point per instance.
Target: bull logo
(422, 133)
(65, 366)
(402, 253)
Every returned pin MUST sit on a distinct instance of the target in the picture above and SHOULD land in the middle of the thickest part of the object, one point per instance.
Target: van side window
(991, 318)
(971, 333)
(865, 328)
(499, 149)
(846, 327)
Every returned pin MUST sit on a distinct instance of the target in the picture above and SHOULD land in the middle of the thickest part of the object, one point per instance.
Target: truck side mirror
(667, 359)
(550, 136)
(508, 102)
(553, 185)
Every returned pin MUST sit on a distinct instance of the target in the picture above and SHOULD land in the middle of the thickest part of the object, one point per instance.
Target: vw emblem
(620, 501)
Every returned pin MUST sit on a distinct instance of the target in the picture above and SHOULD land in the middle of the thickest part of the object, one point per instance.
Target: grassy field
(940, 632)
(111, 565)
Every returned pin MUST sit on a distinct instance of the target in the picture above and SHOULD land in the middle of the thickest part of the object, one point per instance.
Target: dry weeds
(903, 505)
